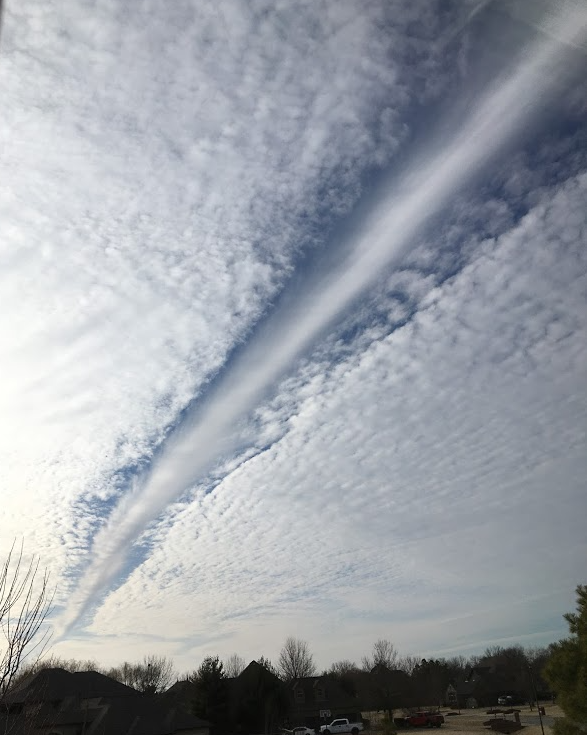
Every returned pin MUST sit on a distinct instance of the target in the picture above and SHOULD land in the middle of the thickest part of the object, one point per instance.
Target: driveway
(535, 720)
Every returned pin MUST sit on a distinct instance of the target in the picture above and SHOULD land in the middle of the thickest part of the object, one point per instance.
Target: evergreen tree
(211, 694)
(566, 670)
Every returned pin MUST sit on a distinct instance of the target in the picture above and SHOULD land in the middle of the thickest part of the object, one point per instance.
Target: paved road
(535, 720)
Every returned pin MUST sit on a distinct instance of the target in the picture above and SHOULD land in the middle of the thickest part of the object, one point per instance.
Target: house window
(300, 695)
(320, 694)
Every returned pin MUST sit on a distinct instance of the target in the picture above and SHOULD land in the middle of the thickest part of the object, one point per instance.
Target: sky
(293, 322)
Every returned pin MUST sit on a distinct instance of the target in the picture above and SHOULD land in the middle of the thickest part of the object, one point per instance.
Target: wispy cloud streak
(425, 189)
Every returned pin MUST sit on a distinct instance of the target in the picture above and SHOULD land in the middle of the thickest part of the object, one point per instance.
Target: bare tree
(384, 654)
(295, 660)
(234, 665)
(408, 663)
(343, 667)
(345, 671)
(153, 675)
(25, 602)
(124, 673)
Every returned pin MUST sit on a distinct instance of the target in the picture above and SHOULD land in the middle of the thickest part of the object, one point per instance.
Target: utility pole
(535, 697)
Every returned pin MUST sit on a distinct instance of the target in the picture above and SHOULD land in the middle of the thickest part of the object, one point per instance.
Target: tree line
(26, 602)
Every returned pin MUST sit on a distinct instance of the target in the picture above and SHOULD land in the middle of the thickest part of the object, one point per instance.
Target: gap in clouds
(313, 228)
(515, 185)
(146, 141)
(288, 599)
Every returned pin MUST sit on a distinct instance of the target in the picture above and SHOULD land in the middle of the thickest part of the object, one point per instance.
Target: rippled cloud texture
(294, 322)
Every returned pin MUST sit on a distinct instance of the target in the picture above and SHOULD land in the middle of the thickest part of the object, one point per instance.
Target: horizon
(294, 322)
(400, 662)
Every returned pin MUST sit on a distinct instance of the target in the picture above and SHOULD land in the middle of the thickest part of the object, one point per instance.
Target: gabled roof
(117, 709)
(94, 684)
(180, 694)
(180, 688)
(144, 715)
(255, 666)
(48, 684)
(334, 693)
(51, 685)
(254, 680)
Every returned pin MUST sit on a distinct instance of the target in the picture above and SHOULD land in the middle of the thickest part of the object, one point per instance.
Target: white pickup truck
(341, 725)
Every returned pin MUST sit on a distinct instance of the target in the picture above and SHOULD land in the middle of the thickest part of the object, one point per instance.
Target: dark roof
(335, 694)
(48, 684)
(94, 684)
(255, 669)
(117, 709)
(180, 694)
(180, 688)
(51, 685)
(146, 716)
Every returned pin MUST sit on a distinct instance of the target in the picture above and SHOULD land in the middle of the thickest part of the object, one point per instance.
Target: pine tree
(566, 671)
(211, 694)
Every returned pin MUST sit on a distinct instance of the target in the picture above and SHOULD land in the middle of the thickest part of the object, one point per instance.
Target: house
(491, 678)
(257, 700)
(314, 700)
(180, 694)
(58, 702)
(451, 696)
(383, 688)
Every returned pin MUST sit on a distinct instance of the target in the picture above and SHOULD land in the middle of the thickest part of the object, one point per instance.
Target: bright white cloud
(418, 486)
(162, 172)
(425, 188)
(157, 175)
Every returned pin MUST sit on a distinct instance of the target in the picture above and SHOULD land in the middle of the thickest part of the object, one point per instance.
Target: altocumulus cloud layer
(293, 319)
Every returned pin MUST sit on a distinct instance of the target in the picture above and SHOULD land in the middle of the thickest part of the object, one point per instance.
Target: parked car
(508, 700)
(302, 730)
(341, 725)
(420, 719)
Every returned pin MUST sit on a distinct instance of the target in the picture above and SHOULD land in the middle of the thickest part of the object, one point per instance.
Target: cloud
(185, 192)
(161, 175)
(432, 525)
(425, 188)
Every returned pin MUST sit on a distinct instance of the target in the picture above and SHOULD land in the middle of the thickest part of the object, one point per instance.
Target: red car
(420, 719)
